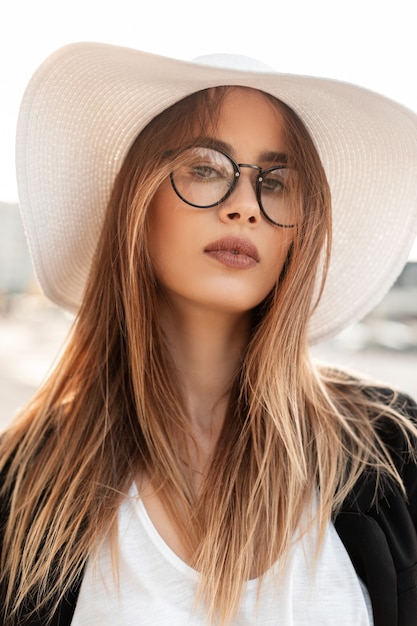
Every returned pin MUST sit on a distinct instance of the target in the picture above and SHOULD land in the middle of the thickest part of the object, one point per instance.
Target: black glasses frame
(236, 168)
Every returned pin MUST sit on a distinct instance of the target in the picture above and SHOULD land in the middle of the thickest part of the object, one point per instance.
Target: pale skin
(206, 309)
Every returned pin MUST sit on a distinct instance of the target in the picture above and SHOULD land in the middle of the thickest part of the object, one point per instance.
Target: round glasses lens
(203, 177)
(275, 195)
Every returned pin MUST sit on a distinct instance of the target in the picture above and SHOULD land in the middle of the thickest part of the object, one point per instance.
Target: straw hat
(88, 101)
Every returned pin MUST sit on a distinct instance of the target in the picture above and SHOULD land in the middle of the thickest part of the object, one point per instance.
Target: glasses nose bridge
(249, 166)
(252, 167)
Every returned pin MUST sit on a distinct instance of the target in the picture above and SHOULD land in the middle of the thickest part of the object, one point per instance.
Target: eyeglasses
(205, 177)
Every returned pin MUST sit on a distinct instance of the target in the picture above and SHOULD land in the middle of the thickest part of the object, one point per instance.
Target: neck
(206, 347)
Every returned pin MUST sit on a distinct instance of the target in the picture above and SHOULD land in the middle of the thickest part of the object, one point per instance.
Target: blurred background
(368, 42)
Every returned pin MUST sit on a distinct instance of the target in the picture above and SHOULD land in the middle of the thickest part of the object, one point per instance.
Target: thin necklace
(194, 469)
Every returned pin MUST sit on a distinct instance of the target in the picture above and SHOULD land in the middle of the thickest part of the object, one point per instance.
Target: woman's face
(225, 258)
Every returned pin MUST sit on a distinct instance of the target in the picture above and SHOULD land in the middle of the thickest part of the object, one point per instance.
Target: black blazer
(380, 535)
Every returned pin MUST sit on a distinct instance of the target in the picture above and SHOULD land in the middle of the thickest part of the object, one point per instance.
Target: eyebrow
(269, 156)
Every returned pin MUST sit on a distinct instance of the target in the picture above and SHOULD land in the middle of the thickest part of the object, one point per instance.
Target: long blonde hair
(111, 409)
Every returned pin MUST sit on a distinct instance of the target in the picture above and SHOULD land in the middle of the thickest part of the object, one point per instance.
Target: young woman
(187, 462)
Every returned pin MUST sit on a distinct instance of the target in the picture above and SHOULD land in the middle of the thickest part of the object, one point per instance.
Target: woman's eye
(275, 182)
(272, 185)
(206, 173)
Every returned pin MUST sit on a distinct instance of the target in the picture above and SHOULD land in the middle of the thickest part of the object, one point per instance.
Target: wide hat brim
(88, 101)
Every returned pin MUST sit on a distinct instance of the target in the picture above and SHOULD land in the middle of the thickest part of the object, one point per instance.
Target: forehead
(227, 113)
(250, 121)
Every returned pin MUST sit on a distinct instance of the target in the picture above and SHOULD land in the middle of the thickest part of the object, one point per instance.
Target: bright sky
(369, 42)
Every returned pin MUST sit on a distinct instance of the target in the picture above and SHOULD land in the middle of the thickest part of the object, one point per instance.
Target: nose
(242, 204)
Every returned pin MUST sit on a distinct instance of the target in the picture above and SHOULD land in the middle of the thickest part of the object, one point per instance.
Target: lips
(234, 252)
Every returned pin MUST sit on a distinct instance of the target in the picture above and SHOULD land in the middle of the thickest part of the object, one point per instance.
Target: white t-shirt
(157, 588)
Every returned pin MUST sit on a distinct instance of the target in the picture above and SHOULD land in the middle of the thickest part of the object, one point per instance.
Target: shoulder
(378, 520)
(396, 423)
(386, 396)
(394, 415)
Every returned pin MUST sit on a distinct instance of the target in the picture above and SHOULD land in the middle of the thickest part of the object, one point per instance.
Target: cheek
(161, 224)
(168, 233)
(278, 251)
